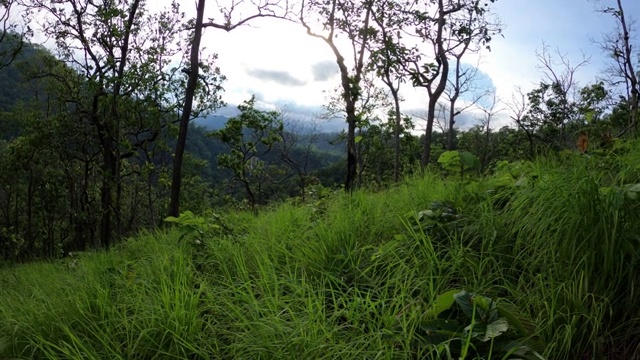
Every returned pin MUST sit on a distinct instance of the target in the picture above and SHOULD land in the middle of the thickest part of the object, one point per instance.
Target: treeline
(53, 166)
(94, 138)
(51, 170)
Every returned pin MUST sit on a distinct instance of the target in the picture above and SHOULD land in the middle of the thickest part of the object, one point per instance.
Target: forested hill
(60, 140)
(15, 86)
(18, 88)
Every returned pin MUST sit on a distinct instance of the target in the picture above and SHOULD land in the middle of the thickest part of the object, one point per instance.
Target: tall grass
(352, 276)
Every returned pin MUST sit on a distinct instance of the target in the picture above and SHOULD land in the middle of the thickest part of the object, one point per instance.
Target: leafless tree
(623, 71)
(464, 81)
(518, 106)
(558, 69)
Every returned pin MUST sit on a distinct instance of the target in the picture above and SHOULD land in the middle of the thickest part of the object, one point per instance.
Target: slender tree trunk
(30, 194)
(106, 197)
(629, 67)
(352, 158)
(451, 143)
(176, 178)
(396, 135)
(435, 94)
(428, 135)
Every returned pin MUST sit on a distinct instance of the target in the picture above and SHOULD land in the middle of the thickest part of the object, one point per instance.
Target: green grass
(354, 277)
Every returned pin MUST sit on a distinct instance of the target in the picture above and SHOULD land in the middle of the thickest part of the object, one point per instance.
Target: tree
(446, 27)
(250, 136)
(518, 107)
(553, 105)
(122, 53)
(351, 18)
(297, 147)
(488, 114)
(462, 82)
(618, 45)
(12, 40)
(267, 8)
(385, 49)
(185, 117)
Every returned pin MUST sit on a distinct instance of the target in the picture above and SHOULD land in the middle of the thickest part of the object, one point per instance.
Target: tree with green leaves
(260, 9)
(386, 48)
(351, 18)
(12, 37)
(250, 136)
(121, 52)
(446, 25)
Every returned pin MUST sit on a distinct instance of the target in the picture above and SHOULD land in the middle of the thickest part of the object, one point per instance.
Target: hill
(537, 261)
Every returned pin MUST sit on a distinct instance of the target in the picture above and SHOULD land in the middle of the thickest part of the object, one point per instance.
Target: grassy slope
(350, 277)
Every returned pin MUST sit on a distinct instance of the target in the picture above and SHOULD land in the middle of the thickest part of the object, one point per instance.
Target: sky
(289, 70)
(284, 67)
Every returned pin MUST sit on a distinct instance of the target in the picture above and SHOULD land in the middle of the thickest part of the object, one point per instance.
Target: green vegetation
(126, 232)
(536, 261)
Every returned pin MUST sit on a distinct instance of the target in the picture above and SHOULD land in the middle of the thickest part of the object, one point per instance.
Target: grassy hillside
(547, 252)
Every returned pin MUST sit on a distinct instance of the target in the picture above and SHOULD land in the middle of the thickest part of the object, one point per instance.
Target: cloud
(324, 70)
(279, 77)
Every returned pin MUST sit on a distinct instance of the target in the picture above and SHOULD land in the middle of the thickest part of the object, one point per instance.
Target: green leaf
(172, 219)
(438, 331)
(588, 116)
(443, 302)
(633, 191)
(469, 161)
(520, 323)
(465, 301)
(358, 138)
(495, 329)
(522, 182)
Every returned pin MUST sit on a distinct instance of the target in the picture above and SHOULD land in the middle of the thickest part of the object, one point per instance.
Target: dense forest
(133, 228)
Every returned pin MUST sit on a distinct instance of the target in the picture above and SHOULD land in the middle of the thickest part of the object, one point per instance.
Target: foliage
(198, 228)
(250, 136)
(465, 325)
(459, 162)
(353, 277)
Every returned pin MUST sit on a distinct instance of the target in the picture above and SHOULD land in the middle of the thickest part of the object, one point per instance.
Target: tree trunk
(176, 178)
(109, 172)
(451, 143)
(435, 94)
(396, 135)
(426, 150)
(352, 158)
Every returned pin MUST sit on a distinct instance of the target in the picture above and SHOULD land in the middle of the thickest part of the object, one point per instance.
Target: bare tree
(518, 107)
(464, 81)
(559, 84)
(623, 70)
(469, 37)
(487, 115)
(297, 147)
(559, 70)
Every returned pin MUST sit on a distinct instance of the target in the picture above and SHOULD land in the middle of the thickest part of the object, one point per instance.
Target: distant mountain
(212, 122)
(219, 119)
